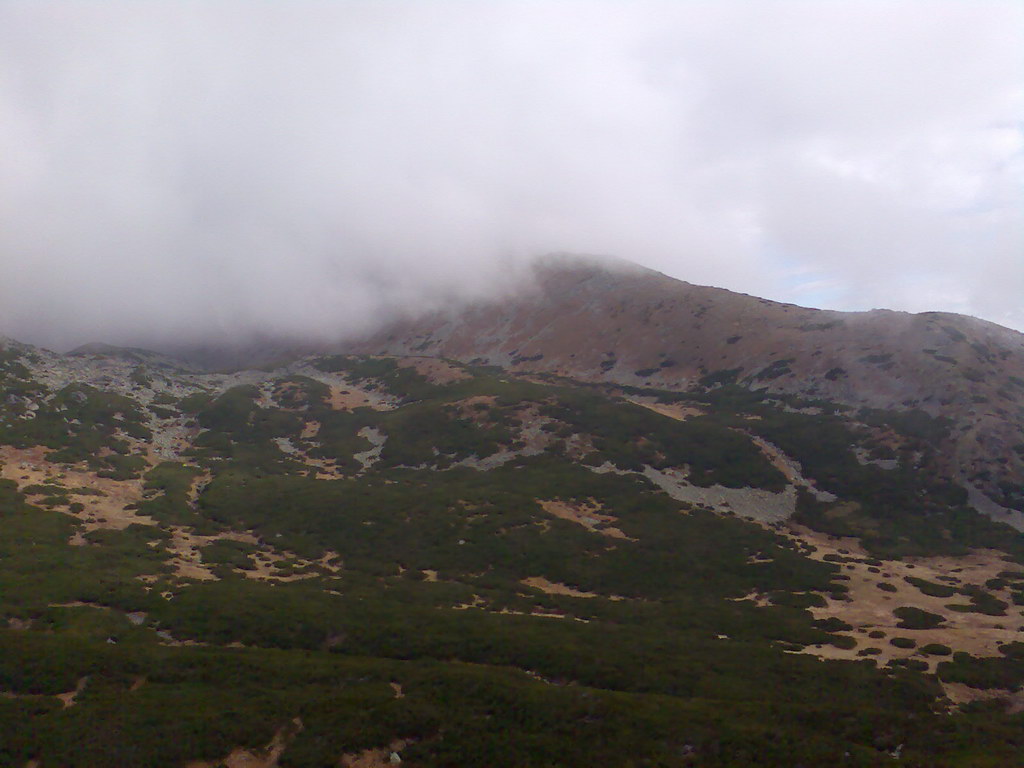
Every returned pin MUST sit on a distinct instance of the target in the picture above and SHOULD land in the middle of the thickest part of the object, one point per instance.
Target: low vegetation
(476, 571)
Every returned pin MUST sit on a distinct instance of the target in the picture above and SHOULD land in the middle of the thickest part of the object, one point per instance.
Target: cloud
(204, 170)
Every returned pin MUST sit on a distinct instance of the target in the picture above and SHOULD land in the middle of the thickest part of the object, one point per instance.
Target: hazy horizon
(178, 171)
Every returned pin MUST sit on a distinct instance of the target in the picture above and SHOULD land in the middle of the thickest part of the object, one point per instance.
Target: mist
(179, 172)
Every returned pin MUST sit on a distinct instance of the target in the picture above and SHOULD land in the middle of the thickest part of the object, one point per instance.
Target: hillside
(462, 556)
(616, 322)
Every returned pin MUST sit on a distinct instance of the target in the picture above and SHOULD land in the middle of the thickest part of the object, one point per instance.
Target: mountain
(617, 322)
(619, 521)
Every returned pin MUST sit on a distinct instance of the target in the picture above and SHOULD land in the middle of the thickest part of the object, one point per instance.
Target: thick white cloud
(191, 169)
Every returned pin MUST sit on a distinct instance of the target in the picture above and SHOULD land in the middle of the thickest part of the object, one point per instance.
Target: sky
(204, 170)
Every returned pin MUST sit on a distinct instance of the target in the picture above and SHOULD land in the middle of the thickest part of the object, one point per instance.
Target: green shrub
(930, 587)
(915, 618)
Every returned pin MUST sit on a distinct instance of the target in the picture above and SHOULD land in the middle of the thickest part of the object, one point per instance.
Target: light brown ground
(350, 397)
(554, 588)
(187, 559)
(585, 514)
(672, 410)
(870, 608)
(541, 613)
(373, 758)
(184, 547)
(433, 369)
(468, 408)
(69, 698)
(960, 694)
(28, 466)
(754, 597)
(267, 757)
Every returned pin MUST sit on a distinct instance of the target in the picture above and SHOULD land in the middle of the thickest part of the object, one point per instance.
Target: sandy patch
(434, 369)
(554, 588)
(675, 411)
(266, 566)
(754, 597)
(960, 694)
(375, 758)
(349, 397)
(585, 514)
(475, 602)
(199, 483)
(870, 608)
(184, 547)
(27, 466)
(186, 559)
(267, 757)
(542, 614)
(69, 698)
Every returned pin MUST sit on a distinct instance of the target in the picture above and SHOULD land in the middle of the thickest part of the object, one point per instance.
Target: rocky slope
(608, 322)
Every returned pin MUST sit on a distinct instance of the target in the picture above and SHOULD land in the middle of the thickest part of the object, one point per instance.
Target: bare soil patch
(586, 514)
(434, 369)
(374, 758)
(267, 757)
(871, 608)
(68, 699)
(960, 694)
(349, 397)
(554, 588)
(28, 466)
(672, 410)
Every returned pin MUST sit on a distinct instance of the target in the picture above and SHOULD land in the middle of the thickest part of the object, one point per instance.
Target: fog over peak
(195, 171)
